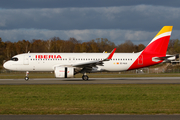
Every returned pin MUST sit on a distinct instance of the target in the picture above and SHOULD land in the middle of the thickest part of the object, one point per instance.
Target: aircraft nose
(6, 65)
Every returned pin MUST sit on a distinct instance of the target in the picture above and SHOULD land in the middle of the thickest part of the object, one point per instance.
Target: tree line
(9, 49)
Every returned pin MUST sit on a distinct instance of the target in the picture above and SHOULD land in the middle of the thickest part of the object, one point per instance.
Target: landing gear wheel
(26, 78)
(85, 77)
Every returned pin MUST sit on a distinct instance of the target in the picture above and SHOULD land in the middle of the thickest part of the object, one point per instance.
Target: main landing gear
(85, 77)
(27, 74)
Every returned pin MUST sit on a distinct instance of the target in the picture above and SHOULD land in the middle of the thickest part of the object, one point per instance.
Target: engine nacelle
(64, 72)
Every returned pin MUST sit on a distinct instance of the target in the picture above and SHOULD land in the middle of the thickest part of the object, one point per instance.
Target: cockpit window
(14, 59)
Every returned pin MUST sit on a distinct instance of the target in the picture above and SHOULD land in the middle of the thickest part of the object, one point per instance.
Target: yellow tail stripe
(165, 29)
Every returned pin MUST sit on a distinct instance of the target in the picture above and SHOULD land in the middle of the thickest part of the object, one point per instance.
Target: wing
(91, 64)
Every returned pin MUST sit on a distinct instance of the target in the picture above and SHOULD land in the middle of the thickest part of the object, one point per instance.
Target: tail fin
(159, 43)
(155, 52)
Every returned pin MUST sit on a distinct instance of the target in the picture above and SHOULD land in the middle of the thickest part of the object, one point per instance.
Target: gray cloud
(26, 4)
(140, 17)
(137, 23)
(115, 35)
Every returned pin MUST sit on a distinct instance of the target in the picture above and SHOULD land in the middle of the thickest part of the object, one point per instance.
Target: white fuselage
(48, 61)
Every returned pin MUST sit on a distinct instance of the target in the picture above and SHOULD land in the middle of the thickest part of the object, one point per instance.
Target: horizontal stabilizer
(167, 58)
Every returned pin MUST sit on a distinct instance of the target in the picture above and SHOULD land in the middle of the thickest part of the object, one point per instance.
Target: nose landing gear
(27, 74)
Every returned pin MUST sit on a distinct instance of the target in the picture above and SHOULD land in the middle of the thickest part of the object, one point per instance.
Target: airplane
(66, 65)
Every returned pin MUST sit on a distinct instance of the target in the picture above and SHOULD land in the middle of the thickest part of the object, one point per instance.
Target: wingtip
(111, 54)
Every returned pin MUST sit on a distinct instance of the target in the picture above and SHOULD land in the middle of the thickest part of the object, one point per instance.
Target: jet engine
(64, 72)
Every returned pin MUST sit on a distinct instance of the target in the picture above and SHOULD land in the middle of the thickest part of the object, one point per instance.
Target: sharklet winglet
(110, 55)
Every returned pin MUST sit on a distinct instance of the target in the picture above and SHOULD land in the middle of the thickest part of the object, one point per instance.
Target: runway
(89, 117)
(138, 80)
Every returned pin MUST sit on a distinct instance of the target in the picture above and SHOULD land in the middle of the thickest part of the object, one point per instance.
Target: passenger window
(14, 59)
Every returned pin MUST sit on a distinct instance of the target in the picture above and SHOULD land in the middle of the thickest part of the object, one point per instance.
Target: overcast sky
(116, 20)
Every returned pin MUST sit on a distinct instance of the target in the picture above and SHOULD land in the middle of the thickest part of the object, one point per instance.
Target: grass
(90, 99)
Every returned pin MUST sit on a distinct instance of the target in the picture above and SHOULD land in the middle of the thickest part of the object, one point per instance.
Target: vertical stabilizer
(159, 43)
(155, 49)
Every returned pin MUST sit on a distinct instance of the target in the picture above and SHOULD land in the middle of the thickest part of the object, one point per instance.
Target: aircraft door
(26, 59)
(140, 60)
